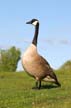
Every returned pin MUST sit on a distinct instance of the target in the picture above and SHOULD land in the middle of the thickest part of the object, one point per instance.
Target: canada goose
(34, 64)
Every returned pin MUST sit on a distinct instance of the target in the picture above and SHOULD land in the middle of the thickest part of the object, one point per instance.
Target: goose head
(34, 22)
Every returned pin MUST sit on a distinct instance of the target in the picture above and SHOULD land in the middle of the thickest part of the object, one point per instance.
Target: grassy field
(16, 91)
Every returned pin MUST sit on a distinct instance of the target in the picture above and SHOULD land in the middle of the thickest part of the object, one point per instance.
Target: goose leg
(36, 84)
(52, 75)
(39, 85)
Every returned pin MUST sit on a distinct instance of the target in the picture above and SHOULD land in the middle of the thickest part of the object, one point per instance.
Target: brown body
(34, 64)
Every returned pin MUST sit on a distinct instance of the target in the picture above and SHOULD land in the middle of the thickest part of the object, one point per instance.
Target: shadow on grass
(46, 87)
(49, 86)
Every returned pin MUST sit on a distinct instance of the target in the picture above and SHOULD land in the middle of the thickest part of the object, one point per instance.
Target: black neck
(36, 35)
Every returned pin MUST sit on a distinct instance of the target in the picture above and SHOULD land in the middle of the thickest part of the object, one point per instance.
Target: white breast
(31, 51)
(28, 57)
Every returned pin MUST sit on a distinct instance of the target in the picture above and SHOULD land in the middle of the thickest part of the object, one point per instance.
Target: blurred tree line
(9, 59)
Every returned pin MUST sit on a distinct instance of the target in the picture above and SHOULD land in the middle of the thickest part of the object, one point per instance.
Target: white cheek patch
(35, 23)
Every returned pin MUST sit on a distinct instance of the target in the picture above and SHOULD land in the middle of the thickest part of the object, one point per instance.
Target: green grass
(16, 91)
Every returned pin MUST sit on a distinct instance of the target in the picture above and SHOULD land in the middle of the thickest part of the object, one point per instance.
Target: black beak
(28, 22)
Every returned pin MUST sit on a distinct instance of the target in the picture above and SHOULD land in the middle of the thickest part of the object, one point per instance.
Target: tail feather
(53, 76)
